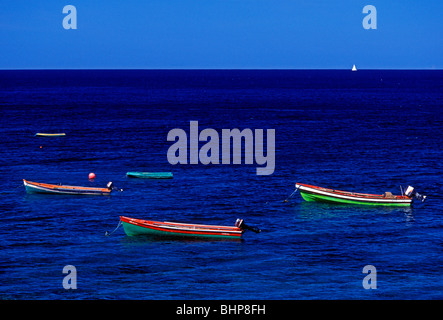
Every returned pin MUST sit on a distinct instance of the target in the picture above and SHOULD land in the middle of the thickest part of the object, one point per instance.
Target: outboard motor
(410, 192)
(242, 225)
(111, 186)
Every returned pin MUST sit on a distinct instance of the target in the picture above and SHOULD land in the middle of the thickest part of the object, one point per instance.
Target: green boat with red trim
(314, 193)
(136, 227)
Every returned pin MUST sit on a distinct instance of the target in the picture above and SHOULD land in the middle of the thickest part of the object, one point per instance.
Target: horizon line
(208, 69)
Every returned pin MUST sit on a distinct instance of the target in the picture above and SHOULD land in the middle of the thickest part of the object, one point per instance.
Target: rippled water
(367, 131)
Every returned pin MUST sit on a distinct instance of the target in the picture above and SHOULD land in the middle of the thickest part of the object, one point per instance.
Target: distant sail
(354, 68)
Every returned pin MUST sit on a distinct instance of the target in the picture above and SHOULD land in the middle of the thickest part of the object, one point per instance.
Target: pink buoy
(92, 176)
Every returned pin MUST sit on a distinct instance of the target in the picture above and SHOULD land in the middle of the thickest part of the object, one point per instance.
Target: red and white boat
(37, 187)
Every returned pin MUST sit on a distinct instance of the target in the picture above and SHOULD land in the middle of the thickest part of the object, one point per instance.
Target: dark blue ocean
(366, 131)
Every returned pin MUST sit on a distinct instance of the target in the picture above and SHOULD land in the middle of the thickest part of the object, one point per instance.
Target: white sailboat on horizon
(354, 68)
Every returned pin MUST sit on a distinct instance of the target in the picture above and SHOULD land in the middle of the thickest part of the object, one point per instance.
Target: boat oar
(242, 225)
(291, 195)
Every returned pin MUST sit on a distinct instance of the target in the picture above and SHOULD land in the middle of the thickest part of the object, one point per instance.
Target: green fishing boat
(150, 175)
(135, 227)
(314, 193)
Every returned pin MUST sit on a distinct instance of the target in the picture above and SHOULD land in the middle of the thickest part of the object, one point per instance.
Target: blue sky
(225, 34)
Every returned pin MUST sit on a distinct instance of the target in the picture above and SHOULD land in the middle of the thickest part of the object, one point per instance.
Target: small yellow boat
(39, 134)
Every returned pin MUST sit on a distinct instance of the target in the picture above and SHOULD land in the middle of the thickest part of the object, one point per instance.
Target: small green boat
(150, 175)
(135, 227)
(314, 193)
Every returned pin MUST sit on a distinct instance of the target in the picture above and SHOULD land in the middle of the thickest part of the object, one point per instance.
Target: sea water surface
(366, 131)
